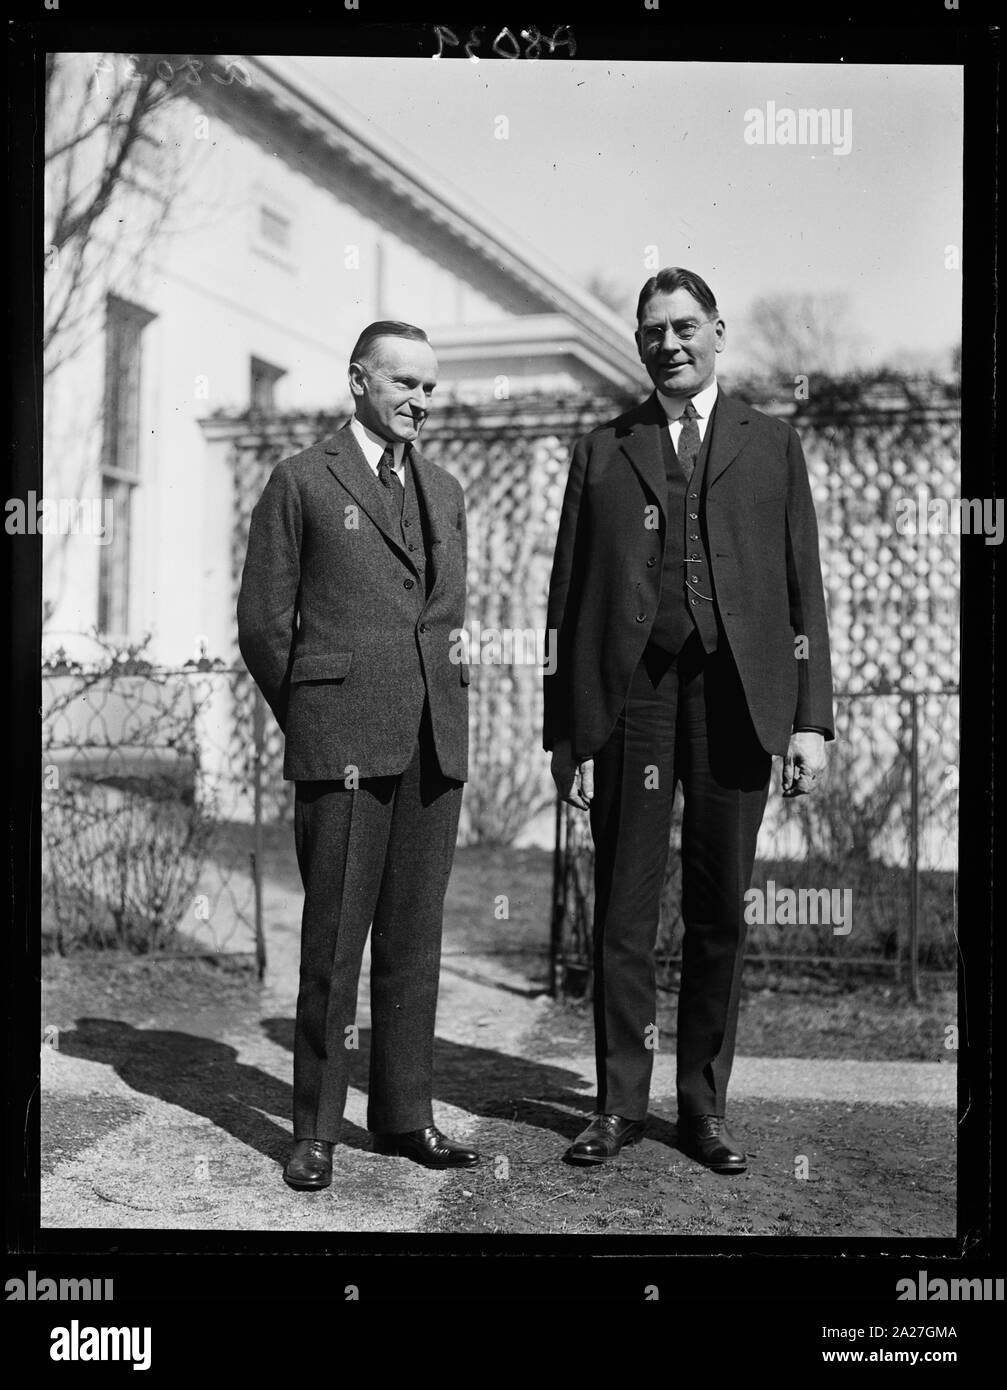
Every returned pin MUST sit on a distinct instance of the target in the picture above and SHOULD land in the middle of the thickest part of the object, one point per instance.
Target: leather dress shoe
(705, 1138)
(309, 1166)
(603, 1138)
(427, 1146)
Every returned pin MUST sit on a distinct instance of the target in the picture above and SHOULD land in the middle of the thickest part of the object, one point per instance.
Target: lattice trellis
(511, 459)
(893, 599)
(894, 627)
(257, 446)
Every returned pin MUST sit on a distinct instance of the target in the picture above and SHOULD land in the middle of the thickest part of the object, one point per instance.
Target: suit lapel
(424, 478)
(730, 434)
(347, 464)
(642, 446)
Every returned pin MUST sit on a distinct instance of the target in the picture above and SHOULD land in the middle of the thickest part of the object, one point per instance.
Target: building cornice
(325, 136)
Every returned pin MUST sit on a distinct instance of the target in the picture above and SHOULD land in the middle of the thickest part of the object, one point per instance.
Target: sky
(603, 160)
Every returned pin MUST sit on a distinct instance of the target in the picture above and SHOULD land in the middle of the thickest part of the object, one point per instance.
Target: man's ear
(721, 335)
(356, 379)
(639, 345)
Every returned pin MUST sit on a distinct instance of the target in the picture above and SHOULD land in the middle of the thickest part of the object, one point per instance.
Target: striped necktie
(688, 441)
(388, 478)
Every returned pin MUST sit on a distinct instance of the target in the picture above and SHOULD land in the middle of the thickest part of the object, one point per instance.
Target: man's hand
(804, 763)
(574, 782)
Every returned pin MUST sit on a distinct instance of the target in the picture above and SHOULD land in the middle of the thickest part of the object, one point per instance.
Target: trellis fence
(888, 812)
(878, 836)
(151, 838)
(893, 597)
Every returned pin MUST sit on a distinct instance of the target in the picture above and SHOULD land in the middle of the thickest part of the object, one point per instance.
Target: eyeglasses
(654, 335)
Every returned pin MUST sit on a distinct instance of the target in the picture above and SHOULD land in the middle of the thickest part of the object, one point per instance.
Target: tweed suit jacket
(336, 624)
(762, 544)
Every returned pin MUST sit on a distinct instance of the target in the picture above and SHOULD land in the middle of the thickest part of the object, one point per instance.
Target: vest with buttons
(412, 527)
(686, 604)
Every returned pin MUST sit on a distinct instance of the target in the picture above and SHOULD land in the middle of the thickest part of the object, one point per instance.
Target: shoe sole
(307, 1186)
(436, 1167)
(716, 1167)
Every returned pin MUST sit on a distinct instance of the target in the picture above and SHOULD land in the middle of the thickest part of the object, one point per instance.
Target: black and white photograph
(501, 533)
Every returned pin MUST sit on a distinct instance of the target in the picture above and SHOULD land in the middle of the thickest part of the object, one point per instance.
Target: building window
(272, 226)
(262, 393)
(120, 470)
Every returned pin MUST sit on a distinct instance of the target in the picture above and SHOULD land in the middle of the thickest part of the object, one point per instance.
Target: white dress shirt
(703, 401)
(373, 446)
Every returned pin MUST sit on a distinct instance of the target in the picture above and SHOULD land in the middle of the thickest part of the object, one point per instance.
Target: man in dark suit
(354, 581)
(690, 622)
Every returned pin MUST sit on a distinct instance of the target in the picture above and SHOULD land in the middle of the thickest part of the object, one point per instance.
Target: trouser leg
(634, 791)
(725, 779)
(341, 835)
(406, 944)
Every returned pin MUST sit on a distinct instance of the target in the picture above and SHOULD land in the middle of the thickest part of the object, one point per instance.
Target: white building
(291, 225)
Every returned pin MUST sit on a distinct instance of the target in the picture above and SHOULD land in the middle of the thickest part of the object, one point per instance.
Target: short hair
(384, 328)
(673, 278)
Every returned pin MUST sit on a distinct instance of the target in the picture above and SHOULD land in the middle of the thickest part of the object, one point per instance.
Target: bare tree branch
(802, 333)
(94, 132)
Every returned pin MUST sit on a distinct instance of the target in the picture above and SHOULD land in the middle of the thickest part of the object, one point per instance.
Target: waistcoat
(687, 602)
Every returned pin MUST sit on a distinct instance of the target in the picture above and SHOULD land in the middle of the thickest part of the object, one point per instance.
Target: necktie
(388, 478)
(688, 440)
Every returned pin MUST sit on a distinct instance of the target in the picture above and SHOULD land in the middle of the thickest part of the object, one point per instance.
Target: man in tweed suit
(692, 642)
(354, 580)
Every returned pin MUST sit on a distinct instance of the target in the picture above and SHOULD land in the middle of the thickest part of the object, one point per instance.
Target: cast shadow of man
(198, 1074)
(493, 1085)
(204, 1076)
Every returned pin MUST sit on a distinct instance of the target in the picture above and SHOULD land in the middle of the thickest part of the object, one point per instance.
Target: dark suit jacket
(334, 623)
(763, 554)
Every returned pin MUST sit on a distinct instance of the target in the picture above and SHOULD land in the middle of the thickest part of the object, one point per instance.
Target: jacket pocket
(327, 666)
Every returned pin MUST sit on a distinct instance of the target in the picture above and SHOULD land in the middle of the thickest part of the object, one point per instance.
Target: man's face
(393, 388)
(678, 343)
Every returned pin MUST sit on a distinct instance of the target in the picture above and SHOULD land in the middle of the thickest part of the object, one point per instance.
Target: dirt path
(167, 1100)
(169, 1108)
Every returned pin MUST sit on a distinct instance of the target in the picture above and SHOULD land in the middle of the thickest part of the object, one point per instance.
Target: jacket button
(641, 617)
(694, 602)
(407, 521)
(423, 627)
(693, 516)
(651, 562)
(407, 583)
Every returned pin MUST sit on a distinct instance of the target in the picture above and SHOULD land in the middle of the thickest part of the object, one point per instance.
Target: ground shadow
(493, 1085)
(204, 1076)
(198, 1074)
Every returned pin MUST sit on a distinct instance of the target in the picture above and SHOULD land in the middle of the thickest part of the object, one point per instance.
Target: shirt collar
(703, 401)
(374, 446)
